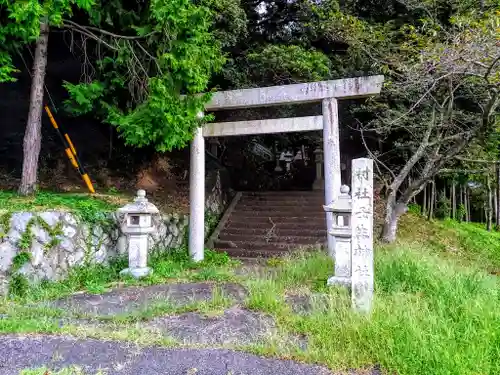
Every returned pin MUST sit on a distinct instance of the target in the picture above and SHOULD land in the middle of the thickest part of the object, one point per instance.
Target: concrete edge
(222, 223)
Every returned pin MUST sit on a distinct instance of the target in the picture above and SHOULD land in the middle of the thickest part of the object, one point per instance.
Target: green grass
(465, 243)
(88, 207)
(167, 267)
(22, 314)
(430, 317)
(478, 243)
(436, 311)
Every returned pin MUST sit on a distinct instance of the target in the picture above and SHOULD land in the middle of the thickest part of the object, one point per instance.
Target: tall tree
(143, 64)
(25, 22)
(441, 92)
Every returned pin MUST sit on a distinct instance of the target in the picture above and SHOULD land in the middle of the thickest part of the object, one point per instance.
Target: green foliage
(91, 209)
(429, 315)
(148, 88)
(7, 68)
(461, 212)
(99, 278)
(279, 64)
(18, 283)
(439, 317)
(19, 260)
(443, 207)
(54, 232)
(230, 21)
(4, 224)
(211, 221)
(18, 286)
(20, 25)
(475, 243)
(26, 238)
(433, 313)
(165, 119)
(415, 208)
(290, 63)
(83, 96)
(94, 278)
(212, 274)
(176, 262)
(216, 258)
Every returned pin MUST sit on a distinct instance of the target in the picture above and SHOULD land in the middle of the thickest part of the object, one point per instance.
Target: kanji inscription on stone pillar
(362, 235)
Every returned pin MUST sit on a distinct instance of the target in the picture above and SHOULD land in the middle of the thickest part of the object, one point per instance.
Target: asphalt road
(116, 358)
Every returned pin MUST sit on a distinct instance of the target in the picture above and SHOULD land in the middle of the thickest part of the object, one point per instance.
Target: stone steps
(270, 224)
(243, 230)
(268, 220)
(318, 225)
(234, 237)
(276, 208)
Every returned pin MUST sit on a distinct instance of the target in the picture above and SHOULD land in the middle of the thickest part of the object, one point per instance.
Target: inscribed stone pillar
(197, 197)
(331, 146)
(362, 235)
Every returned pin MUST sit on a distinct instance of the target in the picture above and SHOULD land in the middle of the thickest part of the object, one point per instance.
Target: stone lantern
(277, 157)
(288, 157)
(137, 224)
(341, 210)
(319, 182)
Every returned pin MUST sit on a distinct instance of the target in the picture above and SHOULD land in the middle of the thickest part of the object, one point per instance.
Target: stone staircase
(269, 224)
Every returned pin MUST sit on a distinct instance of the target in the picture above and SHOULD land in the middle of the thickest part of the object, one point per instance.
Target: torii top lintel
(346, 88)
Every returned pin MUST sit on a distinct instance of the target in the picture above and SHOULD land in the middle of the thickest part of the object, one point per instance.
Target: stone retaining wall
(45, 245)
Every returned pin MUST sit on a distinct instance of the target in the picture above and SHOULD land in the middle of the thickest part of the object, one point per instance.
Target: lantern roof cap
(140, 205)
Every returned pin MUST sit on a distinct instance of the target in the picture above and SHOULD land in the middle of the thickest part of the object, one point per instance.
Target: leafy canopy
(150, 74)
(20, 24)
(148, 60)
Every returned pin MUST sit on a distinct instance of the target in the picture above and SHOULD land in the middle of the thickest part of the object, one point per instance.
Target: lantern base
(137, 272)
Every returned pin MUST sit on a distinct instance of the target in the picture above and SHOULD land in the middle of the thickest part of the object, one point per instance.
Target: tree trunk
(33, 134)
(495, 200)
(453, 201)
(414, 199)
(432, 200)
(497, 204)
(467, 204)
(489, 217)
(424, 205)
(393, 212)
(461, 195)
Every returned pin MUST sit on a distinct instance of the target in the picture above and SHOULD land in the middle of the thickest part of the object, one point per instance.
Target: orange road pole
(70, 150)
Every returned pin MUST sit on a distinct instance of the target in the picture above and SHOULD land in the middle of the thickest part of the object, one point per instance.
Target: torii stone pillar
(197, 197)
(327, 92)
(331, 147)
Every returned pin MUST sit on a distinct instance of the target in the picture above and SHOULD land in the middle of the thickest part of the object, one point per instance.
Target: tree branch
(104, 32)
(477, 160)
(415, 105)
(488, 72)
(90, 35)
(416, 156)
(374, 157)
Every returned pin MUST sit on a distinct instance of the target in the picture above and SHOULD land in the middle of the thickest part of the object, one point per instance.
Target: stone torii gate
(327, 92)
